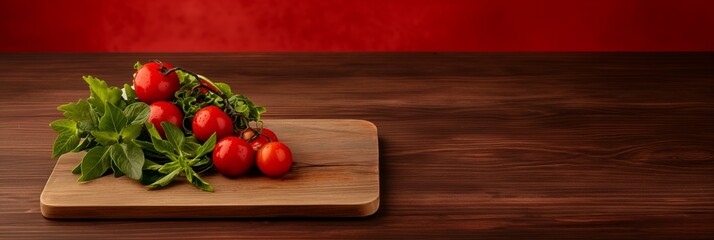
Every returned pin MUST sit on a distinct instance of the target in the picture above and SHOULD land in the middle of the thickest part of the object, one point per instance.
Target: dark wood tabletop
(472, 145)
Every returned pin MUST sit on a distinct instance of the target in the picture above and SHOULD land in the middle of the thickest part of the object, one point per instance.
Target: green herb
(185, 154)
(243, 106)
(107, 125)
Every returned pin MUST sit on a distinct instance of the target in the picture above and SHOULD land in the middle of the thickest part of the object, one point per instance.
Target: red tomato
(246, 134)
(233, 156)
(259, 142)
(163, 111)
(151, 85)
(270, 134)
(274, 159)
(266, 136)
(211, 120)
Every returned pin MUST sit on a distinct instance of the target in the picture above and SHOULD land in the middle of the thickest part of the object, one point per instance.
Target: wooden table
(534, 145)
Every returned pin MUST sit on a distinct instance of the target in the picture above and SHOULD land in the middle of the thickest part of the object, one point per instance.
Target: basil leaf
(147, 146)
(113, 119)
(129, 158)
(84, 144)
(207, 146)
(131, 132)
(150, 176)
(173, 134)
(150, 165)
(198, 182)
(129, 93)
(137, 65)
(152, 130)
(189, 148)
(116, 170)
(192, 139)
(105, 138)
(160, 145)
(162, 182)
(64, 143)
(82, 113)
(188, 172)
(199, 161)
(101, 95)
(137, 112)
(64, 126)
(78, 168)
(169, 167)
(95, 163)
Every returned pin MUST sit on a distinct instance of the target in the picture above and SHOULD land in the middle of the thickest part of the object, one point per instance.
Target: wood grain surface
(481, 146)
(335, 174)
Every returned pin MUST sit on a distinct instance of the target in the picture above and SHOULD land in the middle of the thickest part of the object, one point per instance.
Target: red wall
(357, 25)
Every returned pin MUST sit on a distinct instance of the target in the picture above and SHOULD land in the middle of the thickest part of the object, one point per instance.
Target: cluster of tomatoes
(236, 151)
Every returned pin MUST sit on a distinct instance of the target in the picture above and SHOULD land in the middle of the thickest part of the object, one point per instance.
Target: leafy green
(224, 88)
(137, 112)
(64, 143)
(242, 105)
(128, 158)
(64, 126)
(207, 147)
(186, 79)
(150, 165)
(86, 143)
(113, 120)
(68, 137)
(169, 167)
(130, 93)
(106, 138)
(95, 163)
(116, 170)
(190, 146)
(173, 134)
(131, 131)
(102, 95)
(105, 125)
(197, 181)
(181, 160)
(160, 145)
(77, 169)
(162, 182)
(82, 113)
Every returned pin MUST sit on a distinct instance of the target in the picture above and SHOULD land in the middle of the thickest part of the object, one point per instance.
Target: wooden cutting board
(335, 174)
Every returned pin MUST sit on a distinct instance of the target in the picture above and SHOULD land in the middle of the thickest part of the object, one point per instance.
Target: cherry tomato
(233, 156)
(163, 111)
(211, 120)
(266, 136)
(246, 134)
(151, 85)
(274, 159)
(259, 142)
(270, 134)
